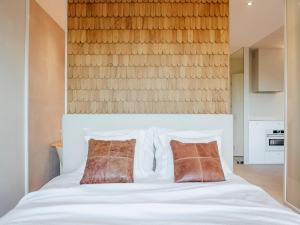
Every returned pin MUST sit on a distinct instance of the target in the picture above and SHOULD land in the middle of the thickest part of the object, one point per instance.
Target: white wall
(12, 79)
(264, 106)
(258, 106)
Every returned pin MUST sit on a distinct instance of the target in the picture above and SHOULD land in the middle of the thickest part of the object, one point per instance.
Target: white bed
(63, 201)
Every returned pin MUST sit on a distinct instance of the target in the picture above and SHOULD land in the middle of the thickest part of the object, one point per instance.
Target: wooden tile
(148, 56)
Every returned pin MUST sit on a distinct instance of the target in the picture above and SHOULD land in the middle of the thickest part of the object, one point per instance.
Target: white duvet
(63, 201)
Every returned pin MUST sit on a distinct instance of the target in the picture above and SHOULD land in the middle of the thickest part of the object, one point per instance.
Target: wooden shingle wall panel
(148, 56)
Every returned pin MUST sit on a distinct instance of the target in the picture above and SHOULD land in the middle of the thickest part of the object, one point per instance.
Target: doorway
(237, 103)
(257, 96)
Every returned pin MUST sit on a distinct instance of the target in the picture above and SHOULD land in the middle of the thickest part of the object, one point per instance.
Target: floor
(268, 177)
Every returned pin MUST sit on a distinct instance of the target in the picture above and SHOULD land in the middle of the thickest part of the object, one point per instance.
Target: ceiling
(273, 40)
(248, 24)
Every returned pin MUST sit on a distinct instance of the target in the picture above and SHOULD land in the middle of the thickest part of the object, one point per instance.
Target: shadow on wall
(54, 165)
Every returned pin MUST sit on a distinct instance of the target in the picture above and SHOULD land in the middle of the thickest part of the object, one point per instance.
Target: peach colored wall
(46, 94)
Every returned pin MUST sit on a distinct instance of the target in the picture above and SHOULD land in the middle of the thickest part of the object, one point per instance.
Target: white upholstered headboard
(74, 124)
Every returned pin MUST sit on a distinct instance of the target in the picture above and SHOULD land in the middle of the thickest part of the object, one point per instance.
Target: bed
(64, 201)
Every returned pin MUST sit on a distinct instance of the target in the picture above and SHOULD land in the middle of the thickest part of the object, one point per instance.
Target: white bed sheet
(63, 201)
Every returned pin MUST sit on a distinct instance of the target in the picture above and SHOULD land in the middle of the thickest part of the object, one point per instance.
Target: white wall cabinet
(267, 70)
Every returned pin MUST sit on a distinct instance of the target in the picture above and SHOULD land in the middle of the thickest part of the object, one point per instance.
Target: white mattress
(63, 201)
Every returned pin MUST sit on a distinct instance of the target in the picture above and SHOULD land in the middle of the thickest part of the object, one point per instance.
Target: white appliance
(274, 140)
(266, 142)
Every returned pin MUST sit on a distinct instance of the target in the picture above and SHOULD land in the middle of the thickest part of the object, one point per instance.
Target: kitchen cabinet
(268, 70)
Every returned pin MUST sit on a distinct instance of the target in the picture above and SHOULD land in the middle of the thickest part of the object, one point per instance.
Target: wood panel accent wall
(139, 56)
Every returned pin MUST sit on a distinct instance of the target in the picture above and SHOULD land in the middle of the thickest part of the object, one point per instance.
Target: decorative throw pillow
(196, 162)
(109, 162)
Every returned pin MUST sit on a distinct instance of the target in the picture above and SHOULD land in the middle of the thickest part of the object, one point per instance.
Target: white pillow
(144, 149)
(163, 152)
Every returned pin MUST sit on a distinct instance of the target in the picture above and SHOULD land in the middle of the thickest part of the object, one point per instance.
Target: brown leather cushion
(109, 162)
(197, 162)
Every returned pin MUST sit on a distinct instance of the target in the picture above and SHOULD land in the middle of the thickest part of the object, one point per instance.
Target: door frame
(243, 113)
(285, 116)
